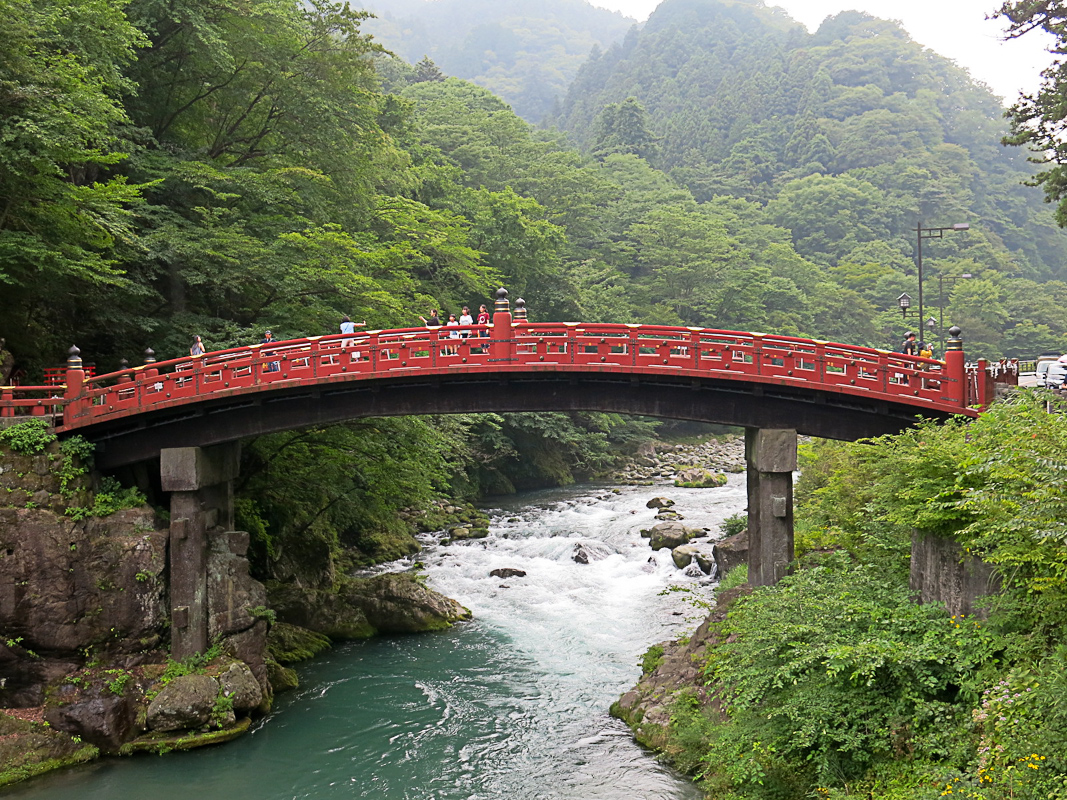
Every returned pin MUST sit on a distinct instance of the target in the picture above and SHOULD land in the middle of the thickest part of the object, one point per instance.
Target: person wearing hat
(268, 338)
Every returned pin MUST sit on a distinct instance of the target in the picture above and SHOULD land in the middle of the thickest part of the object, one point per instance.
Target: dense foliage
(836, 683)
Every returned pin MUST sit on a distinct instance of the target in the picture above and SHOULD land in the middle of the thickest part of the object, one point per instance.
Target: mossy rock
(28, 749)
(288, 644)
(166, 742)
(700, 479)
(281, 679)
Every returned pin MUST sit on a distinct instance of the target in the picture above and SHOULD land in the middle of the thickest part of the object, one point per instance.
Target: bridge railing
(733, 353)
(505, 346)
(36, 401)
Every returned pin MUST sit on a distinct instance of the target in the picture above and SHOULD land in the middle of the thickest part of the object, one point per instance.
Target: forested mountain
(848, 137)
(525, 51)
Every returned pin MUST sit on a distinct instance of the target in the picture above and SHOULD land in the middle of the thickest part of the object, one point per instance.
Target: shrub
(830, 672)
(29, 437)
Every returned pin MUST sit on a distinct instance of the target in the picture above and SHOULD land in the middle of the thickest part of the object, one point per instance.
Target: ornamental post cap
(955, 331)
(501, 304)
(124, 363)
(149, 356)
(520, 309)
(74, 356)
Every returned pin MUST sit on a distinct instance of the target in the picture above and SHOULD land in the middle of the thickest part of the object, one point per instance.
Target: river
(512, 705)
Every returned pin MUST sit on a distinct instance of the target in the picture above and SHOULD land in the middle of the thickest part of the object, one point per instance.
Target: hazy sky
(954, 28)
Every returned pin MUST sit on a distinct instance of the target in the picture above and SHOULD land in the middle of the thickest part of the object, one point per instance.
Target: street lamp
(941, 302)
(930, 233)
(904, 301)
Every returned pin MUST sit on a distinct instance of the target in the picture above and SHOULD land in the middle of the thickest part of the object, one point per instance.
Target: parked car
(1050, 374)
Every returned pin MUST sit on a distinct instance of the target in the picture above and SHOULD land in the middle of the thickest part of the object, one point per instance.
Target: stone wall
(942, 572)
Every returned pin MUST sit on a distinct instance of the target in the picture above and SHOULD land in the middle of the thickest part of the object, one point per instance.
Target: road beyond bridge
(190, 413)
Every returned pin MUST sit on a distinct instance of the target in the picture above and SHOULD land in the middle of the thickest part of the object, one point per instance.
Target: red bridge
(728, 377)
(774, 386)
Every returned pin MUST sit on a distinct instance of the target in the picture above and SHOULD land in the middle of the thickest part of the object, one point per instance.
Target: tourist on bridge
(910, 346)
(434, 321)
(349, 327)
(198, 347)
(268, 338)
(483, 319)
(452, 323)
(466, 319)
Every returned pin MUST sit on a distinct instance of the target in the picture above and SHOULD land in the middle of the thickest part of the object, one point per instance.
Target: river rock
(692, 554)
(238, 683)
(281, 678)
(671, 535)
(659, 502)
(669, 515)
(186, 702)
(399, 603)
(699, 478)
(731, 552)
(324, 611)
(288, 643)
(106, 721)
(508, 572)
(468, 533)
(581, 555)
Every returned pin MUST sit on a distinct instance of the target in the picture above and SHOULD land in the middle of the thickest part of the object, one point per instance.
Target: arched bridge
(729, 377)
(190, 412)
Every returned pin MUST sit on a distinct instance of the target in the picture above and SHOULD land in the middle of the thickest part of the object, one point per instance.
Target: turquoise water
(512, 705)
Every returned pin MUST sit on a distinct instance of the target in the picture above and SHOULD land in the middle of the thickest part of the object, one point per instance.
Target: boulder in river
(508, 572)
(691, 553)
(668, 515)
(731, 552)
(671, 535)
(699, 478)
(238, 683)
(186, 702)
(659, 502)
(103, 719)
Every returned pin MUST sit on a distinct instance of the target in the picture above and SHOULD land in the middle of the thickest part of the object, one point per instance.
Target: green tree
(623, 128)
(426, 70)
(64, 213)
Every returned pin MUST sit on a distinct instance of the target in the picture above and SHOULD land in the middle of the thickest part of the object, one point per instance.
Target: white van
(1050, 373)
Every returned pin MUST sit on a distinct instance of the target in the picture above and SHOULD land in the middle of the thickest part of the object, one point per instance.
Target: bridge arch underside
(746, 404)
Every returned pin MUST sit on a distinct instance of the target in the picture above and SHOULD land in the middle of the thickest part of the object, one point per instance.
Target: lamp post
(941, 302)
(930, 233)
(904, 301)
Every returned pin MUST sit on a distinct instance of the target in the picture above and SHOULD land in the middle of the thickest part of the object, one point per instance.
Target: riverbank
(120, 694)
(511, 704)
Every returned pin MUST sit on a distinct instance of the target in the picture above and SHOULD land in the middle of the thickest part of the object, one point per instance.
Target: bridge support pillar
(771, 458)
(200, 482)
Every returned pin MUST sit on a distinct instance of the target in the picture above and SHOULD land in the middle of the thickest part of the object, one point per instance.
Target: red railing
(530, 347)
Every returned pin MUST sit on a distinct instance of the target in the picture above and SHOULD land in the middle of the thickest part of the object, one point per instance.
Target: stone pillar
(771, 457)
(200, 481)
